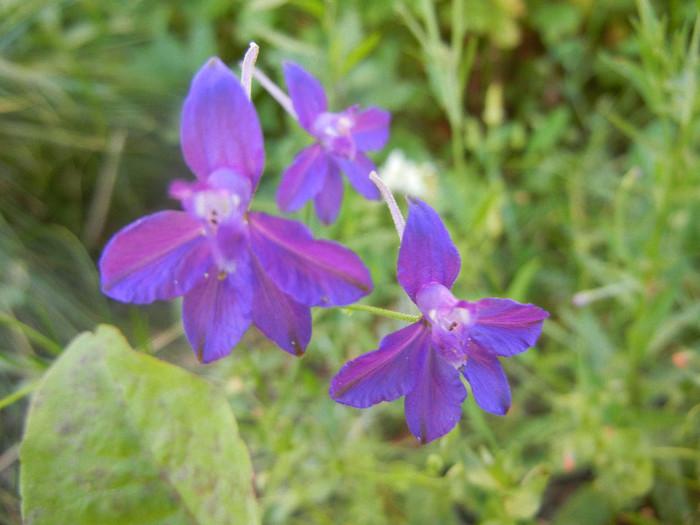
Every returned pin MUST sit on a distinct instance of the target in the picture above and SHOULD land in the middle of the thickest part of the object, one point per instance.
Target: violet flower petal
(161, 256)
(231, 243)
(220, 127)
(434, 406)
(303, 179)
(313, 272)
(371, 129)
(283, 320)
(327, 201)
(505, 327)
(229, 180)
(217, 312)
(384, 374)
(488, 380)
(307, 94)
(358, 171)
(427, 253)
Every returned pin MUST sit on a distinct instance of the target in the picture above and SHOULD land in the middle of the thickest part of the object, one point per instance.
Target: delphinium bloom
(232, 266)
(453, 338)
(341, 142)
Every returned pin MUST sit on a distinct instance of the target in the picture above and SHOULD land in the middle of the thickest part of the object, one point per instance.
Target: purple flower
(423, 361)
(341, 140)
(232, 266)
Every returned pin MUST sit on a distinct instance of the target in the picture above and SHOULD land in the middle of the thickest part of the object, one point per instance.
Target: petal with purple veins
(371, 129)
(313, 272)
(357, 172)
(384, 374)
(434, 406)
(307, 94)
(303, 179)
(427, 253)
(283, 320)
(488, 380)
(161, 256)
(220, 128)
(505, 327)
(217, 312)
(327, 201)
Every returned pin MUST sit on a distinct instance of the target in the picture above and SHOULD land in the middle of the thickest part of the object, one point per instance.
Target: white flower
(407, 176)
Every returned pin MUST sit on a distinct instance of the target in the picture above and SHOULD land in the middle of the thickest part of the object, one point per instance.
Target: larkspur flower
(232, 266)
(341, 142)
(453, 338)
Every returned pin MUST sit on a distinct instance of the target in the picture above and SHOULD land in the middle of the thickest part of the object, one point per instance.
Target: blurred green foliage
(566, 138)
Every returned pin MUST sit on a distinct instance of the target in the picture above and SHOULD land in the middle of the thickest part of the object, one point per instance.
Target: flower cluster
(233, 266)
(341, 140)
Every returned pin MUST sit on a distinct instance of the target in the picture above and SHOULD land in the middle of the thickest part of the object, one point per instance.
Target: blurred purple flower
(341, 140)
(232, 266)
(423, 361)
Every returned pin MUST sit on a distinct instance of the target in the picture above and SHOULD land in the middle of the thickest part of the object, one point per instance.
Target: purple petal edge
(161, 256)
(357, 171)
(384, 374)
(307, 94)
(217, 312)
(487, 380)
(220, 127)
(313, 272)
(371, 129)
(327, 202)
(434, 406)
(303, 179)
(279, 317)
(505, 327)
(427, 253)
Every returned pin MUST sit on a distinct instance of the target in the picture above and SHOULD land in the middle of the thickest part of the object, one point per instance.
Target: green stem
(18, 394)
(31, 334)
(383, 312)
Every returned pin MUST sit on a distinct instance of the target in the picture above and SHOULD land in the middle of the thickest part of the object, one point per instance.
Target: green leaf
(587, 505)
(114, 436)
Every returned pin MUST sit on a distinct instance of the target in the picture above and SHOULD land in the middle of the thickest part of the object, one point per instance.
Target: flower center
(220, 202)
(454, 321)
(450, 321)
(333, 130)
(214, 206)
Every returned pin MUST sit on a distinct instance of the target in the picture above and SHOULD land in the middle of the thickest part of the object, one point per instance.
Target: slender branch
(399, 222)
(276, 93)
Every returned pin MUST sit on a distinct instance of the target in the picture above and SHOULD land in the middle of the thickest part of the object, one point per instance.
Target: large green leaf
(118, 437)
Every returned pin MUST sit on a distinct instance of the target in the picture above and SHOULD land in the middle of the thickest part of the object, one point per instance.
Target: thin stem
(399, 222)
(410, 318)
(106, 179)
(248, 68)
(18, 394)
(276, 93)
(31, 334)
